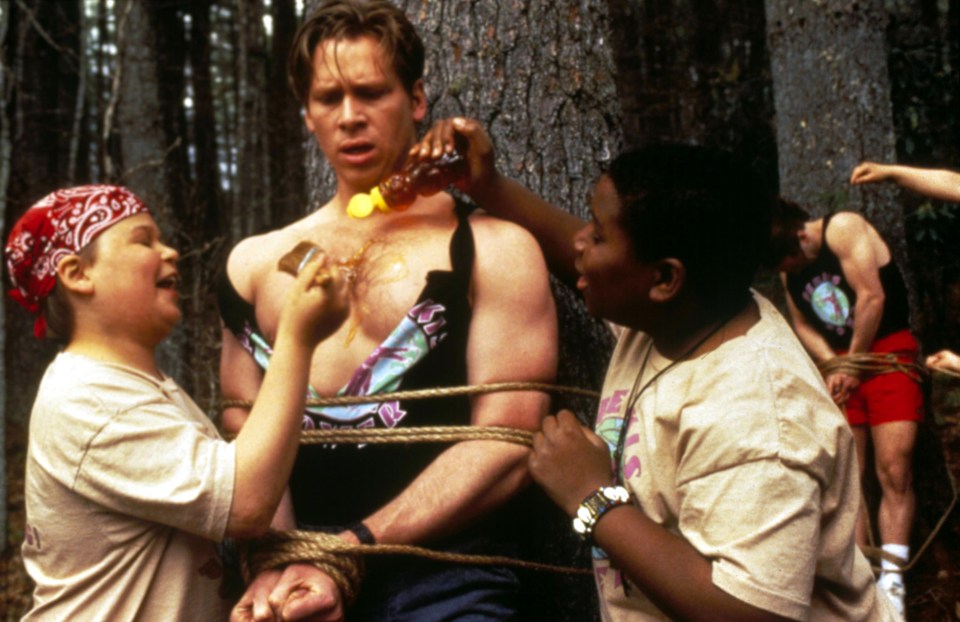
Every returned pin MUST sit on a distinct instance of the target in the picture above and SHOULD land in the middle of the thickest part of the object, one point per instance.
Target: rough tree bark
(695, 72)
(204, 232)
(147, 142)
(923, 40)
(287, 175)
(252, 163)
(832, 98)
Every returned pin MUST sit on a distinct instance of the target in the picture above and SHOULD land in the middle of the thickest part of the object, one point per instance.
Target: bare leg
(860, 438)
(893, 453)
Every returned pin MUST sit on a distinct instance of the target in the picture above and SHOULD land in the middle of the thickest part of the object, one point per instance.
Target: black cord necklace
(635, 394)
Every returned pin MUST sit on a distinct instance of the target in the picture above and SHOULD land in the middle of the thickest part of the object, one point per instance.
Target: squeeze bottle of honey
(400, 190)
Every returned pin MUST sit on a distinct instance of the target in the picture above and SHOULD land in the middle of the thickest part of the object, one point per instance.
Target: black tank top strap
(237, 314)
(462, 248)
(823, 231)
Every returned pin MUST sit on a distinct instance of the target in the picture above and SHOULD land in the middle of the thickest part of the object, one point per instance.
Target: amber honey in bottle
(400, 190)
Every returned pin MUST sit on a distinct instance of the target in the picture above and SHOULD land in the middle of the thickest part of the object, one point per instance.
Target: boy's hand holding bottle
(319, 301)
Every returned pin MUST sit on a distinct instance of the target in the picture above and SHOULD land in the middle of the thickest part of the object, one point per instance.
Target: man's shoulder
(848, 230)
(509, 261)
(494, 234)
(251, 255)
(265, 243)
(848, 219)
(845, 224)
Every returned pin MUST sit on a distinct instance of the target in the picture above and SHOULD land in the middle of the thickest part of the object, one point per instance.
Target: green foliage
(930, 221)
(832, 201)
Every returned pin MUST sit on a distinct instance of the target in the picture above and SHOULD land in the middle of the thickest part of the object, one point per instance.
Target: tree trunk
(39, 87)
(832, 100)
(204, 223)
(43, 38)
(924, 43)
(146, 132)
(286, 131)
(252, 162)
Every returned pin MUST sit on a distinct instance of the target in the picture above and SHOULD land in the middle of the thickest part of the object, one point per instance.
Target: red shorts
(894, 396)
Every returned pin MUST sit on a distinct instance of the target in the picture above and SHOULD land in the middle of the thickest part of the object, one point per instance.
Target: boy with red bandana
(128, 484)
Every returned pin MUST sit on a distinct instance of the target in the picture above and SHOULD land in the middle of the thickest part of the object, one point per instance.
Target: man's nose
(352, 112)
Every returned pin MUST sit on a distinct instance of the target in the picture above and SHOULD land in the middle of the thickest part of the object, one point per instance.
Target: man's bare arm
(939, 184)
(512, 338)
(503, 197)
(851, 239)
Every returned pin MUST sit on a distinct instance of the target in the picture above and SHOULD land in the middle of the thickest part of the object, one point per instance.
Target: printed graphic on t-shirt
(830, 303)
(608, 427)
(420, 331)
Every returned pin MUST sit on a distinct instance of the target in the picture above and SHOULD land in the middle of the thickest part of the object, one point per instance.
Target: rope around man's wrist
(595, 506)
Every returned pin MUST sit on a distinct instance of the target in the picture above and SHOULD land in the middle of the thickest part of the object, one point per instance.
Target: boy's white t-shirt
(128, 486)
(742, 453)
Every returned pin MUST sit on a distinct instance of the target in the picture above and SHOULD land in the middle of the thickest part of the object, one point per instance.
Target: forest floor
(933, 584)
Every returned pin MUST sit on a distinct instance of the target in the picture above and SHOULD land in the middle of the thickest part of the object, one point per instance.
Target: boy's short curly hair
(351, 19)
(702, 206)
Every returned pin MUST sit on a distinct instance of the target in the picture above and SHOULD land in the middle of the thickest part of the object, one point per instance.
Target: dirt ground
(933, 584)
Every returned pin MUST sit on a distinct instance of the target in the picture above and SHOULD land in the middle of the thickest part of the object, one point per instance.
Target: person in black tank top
(469, 304)
(845, 295)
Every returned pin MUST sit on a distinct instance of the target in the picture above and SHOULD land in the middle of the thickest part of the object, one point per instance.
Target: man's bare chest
(386, 275)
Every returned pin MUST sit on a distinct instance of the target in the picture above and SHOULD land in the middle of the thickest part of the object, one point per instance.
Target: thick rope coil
(343, 561)
(338, 558)
(865, 365)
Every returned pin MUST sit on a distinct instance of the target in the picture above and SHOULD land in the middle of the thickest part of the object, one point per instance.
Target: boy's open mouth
(169, 282)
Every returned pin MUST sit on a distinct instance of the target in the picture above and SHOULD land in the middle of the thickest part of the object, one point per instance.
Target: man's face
(359, 111)
(802, 257)
(793, 263)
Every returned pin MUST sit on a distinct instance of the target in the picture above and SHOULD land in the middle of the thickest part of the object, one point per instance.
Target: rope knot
(339, 559)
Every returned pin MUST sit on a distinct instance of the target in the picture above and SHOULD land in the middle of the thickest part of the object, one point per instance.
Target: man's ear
(671, 277)
(72, 274)
(418, 97)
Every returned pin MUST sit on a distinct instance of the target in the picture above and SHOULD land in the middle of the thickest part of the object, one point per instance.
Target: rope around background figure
(343, 561)
(866, 365)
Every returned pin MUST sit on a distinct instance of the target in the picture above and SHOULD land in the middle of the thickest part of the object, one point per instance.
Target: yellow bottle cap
(360, 205)
(378, 201)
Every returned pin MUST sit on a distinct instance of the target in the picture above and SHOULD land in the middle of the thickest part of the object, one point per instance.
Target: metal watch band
(594, 506)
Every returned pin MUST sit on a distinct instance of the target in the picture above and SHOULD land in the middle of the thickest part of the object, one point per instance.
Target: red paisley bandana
(60, 224)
